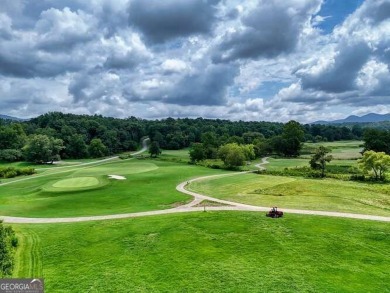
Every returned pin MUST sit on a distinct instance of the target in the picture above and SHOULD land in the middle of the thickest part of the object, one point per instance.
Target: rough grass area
(297, 192)
(209, 252)
(150, 185)
(176, 155)
(281, 163)
(341, 150)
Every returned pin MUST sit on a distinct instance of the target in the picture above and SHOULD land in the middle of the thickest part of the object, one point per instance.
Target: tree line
(68, 136)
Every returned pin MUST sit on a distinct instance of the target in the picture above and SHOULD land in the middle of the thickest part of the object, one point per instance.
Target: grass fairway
(300, 193)
(202, 253)
(150, 185)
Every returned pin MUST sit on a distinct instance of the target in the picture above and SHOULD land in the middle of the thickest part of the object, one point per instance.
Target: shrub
(11, 172)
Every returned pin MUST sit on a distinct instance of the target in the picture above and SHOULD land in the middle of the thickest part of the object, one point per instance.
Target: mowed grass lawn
(208, 252)
(87, 190)
(300, 193)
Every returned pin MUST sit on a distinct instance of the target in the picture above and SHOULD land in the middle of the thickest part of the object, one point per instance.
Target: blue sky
(336, 11)
(272, 60)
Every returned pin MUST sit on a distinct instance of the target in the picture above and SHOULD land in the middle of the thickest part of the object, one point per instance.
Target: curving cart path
(193, 206)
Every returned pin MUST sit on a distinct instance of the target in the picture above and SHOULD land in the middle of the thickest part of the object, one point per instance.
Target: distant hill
(11, 118)
(369, 118)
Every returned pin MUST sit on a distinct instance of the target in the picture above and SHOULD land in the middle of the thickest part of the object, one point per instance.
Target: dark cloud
(22, 61)
(112, 16)
(232, 14)
(121, 61)
(340, 75)
(206, 87)
(377, 10)
(78, 87)
(21, 95)
(95, 85)
(160, 21)
(271, 29)
(5, 27)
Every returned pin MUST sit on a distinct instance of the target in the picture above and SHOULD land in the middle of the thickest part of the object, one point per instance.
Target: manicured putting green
(79, 182)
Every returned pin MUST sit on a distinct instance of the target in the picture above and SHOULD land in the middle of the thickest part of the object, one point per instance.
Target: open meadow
(340, 150)
(208, 252)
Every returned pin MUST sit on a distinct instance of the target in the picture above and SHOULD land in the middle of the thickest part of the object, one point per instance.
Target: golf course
(195, 146)
(142, 224)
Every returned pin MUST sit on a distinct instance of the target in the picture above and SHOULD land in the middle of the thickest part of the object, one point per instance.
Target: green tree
(197, 152)
(376, 162)
(8, 244)
(293, 136)
(249, 151)
(12, 137)
(250, 137)
(210, 145)
(320, 158)
(377, 140)
(11, 155)
(262, 147)
(42, 149)
(154, 149)
(76, 147)
(96, 148)
(232, 155)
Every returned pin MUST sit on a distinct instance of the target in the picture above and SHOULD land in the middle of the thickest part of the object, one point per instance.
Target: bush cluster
(11, 172)
(213, 164)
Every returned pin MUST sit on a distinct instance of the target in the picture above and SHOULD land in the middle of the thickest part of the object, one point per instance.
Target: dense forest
(56, 135)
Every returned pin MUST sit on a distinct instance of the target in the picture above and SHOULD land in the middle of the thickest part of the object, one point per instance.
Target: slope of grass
(297, 192)
(212, 252)
(150, 185)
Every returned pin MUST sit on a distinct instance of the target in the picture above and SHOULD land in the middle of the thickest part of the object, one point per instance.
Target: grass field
(341, 150)
(297, 192)
(209, 252)
(150, 185)
(281, 163)
(176, 154)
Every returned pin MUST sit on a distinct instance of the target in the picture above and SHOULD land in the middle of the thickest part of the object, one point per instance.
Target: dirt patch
(209, 203)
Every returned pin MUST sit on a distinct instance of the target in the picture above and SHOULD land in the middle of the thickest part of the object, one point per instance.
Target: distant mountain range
(369, 118)
(11, 118)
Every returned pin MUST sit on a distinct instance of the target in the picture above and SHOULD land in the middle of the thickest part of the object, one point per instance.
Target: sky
(251, 60)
